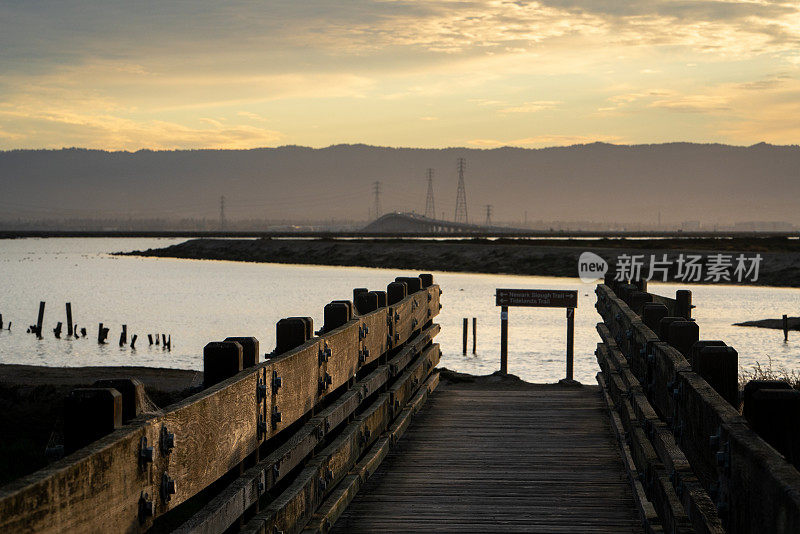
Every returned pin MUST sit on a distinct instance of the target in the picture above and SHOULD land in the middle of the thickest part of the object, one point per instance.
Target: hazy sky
(236, 74)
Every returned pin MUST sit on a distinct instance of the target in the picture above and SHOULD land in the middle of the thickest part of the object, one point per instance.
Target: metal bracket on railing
(276, 417)
(168, 487)
(276, 381)
(363, 330)
(146, 454)
(146, 509)
(324, 381)
(363, 354)
(324, 353)
(261, 390)
(167, 441)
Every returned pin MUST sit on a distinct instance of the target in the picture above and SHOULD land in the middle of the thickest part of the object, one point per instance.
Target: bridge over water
(352, 428)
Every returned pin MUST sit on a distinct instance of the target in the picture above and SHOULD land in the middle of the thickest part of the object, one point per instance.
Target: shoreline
(780, 265)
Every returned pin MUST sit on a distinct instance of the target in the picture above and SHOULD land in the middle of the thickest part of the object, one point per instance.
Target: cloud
(532, 107)
(693, 103)
(326, 72)
(541, 141)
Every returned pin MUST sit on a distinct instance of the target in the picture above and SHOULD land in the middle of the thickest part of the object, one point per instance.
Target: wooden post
(775, 416)
(39, 320)
(464, 336)
(292, 332)
(57, 330)
(1, 321)
(133, 341)
(785, 328)
(123, 336)
(89, 414)
(395, 292)
(652, 313)
(249, 350)
(682, 335)
(164, 341)
(70, 331)
(719, 366)
(133, 395)
(150, 338)
(683, 303)
(474, 334)
(504, 339)
(570, 341)
(100, 337)
(221, 360)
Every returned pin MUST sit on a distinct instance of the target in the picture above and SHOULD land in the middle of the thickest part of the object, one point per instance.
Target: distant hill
(706, 182)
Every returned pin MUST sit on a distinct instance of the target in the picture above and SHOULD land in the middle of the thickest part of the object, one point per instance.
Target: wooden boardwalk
(500, 457)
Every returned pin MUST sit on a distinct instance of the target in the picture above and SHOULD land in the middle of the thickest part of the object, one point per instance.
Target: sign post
(570, 340)
(538, 298)
(504, 340)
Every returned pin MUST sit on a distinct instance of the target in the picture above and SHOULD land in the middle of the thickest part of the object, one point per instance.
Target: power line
(461, 194)
(430, 209)
(376, 189)
(488, 215)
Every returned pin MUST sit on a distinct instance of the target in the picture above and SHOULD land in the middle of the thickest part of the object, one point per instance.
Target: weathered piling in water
(40, 320)
(133, 341)
(464, 336)
(57, 330)
(70, 330)
(785, 327)
(474, 334)
(102, 334)
(123, 336)
(150, 338)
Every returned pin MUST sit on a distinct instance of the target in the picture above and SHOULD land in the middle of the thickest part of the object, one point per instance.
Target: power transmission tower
(222, 213)
(461, 195)
(376, 188)
(488, 215)
(430, 210)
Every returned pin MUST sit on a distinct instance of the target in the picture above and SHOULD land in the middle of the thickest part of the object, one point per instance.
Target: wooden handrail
(125, 480)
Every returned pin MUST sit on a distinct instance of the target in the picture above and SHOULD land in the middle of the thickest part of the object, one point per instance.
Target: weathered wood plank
(474, 459)
(335, 505)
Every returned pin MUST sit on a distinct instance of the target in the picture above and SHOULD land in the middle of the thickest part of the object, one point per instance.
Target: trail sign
(542, 298)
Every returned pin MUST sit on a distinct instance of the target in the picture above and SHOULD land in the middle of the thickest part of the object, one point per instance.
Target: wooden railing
(696, 464)
(273, 446)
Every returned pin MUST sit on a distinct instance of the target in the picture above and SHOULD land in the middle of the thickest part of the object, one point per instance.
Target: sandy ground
(780, 265)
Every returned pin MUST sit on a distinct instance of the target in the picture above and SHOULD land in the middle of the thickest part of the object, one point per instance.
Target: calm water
(201, 301)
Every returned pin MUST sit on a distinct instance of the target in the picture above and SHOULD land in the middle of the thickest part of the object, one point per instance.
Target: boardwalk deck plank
(487, 458)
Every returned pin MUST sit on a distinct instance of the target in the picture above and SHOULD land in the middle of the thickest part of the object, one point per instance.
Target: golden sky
(125, 75)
